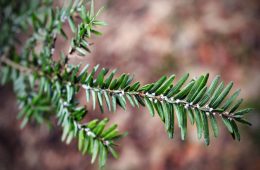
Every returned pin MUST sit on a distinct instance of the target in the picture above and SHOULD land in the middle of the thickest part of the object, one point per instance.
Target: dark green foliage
(181, 103)
(44, 86)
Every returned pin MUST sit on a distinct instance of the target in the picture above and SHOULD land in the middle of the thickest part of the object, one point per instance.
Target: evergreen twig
(45, 87)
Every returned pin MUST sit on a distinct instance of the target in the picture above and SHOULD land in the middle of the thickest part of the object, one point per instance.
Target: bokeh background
(151, 38)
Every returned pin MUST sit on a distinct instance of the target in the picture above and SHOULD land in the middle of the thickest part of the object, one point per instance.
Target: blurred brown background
(151, 38)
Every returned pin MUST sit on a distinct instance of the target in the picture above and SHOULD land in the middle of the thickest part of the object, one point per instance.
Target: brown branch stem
(5, 60)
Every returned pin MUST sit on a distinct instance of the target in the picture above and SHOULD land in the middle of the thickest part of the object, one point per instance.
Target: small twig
(1, 61)
(19, 67)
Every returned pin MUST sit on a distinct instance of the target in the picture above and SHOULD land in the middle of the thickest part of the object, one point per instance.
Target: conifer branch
(47, 88)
